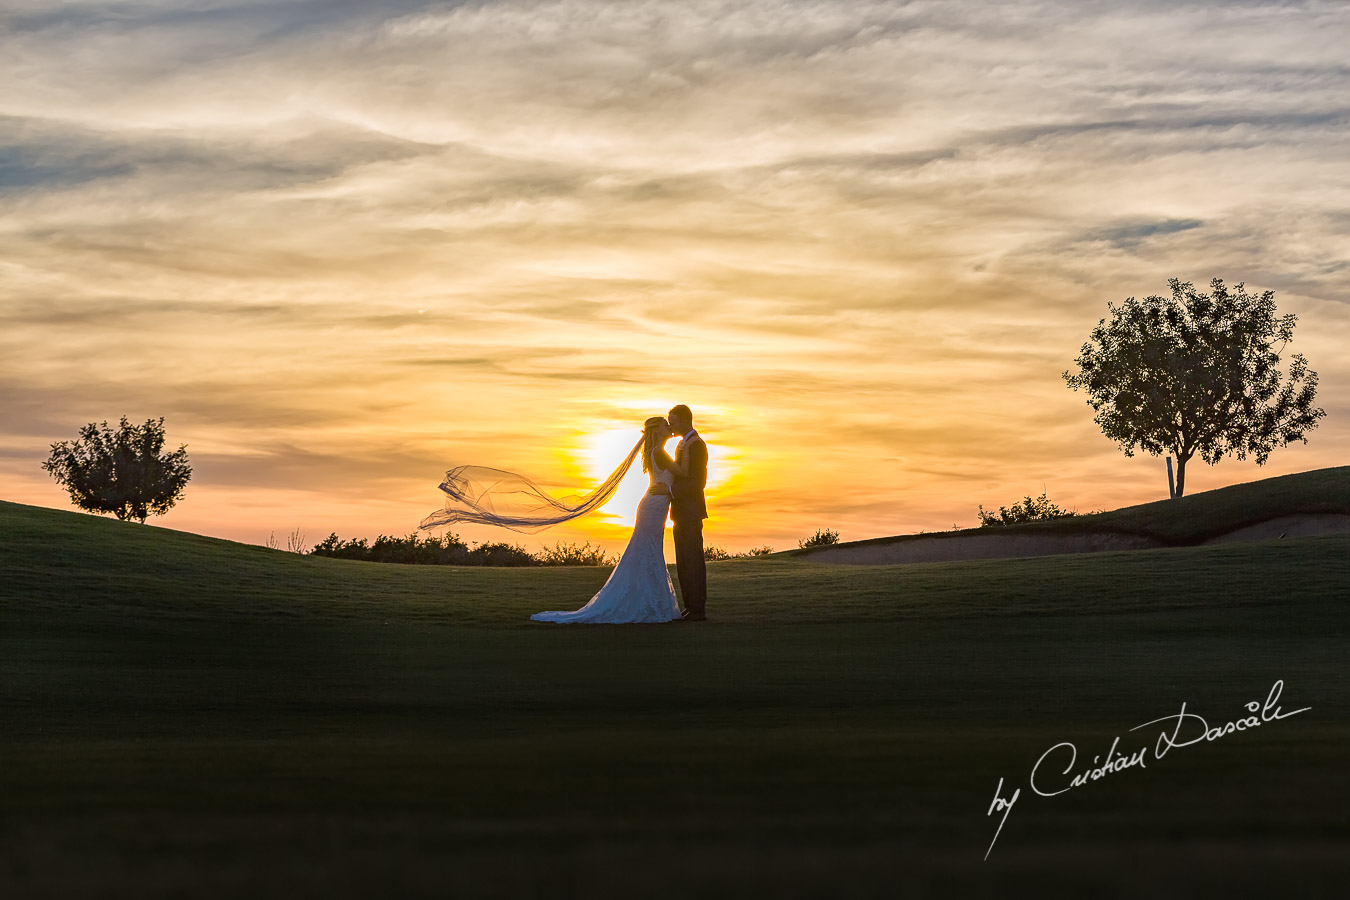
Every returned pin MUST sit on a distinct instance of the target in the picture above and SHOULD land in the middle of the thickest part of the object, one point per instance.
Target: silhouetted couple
(639, 589)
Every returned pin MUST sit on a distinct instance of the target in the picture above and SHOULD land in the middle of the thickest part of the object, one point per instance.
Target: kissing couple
(639, 589)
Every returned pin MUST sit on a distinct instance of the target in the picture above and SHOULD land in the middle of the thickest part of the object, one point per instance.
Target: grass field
(195, 717)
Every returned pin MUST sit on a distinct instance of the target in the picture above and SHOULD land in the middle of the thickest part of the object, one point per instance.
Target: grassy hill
(1188, 520)
(184, 714)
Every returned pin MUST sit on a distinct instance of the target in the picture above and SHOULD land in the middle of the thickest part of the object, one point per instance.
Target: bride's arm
(681, 468)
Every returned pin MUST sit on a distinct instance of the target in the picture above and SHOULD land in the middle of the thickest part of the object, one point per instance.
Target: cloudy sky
(342, 247)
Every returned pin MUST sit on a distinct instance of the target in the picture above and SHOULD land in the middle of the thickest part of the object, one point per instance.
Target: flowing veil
(487, 496)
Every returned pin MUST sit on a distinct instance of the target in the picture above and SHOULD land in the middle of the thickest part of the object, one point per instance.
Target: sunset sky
(343, 247)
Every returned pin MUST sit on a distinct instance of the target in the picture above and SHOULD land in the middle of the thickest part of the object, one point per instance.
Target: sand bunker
(996, 545)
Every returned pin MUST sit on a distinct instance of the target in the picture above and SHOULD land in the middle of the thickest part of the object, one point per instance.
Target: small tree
(121, 472)
(335, 547)
(1029, 510)
(822, 538)
(1196, 373)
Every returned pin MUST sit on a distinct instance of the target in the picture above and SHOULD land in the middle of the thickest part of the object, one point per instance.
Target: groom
(687, 511)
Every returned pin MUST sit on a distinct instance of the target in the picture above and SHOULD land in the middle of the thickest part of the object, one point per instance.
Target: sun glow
(598, 452)
(597, 456)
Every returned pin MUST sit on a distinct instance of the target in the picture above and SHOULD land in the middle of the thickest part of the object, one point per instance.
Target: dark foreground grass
(193, 717)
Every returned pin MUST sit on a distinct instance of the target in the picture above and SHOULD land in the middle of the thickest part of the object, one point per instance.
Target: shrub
(336, 548)
(1029, 510)
(451, 551)
(712, 554)
(448, 550)
(573, 555)
(500, 554)
(822, 538)
(758, 551)
(421, 550)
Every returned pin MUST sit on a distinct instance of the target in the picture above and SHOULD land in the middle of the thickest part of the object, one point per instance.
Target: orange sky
(343, 250)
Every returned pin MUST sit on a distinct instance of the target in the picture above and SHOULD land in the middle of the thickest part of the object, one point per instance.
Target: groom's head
(680, 418)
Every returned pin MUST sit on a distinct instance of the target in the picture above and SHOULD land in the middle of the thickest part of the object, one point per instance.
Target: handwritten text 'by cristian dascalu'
(1047, 776)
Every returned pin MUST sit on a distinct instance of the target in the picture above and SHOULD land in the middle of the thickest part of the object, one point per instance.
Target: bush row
(451, 551)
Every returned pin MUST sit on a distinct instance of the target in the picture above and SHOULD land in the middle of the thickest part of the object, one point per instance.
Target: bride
(639, 589)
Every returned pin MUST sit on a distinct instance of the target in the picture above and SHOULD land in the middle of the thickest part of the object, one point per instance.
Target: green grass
(186, 715)
(1186, 521)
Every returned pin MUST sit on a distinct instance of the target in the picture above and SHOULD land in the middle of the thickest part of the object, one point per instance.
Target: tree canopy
(122, 472)
(1197, 373)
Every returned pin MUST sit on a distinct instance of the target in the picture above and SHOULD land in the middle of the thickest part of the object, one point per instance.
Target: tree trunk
(1181, 476)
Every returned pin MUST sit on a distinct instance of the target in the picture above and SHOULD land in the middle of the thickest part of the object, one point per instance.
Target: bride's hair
(649, 439)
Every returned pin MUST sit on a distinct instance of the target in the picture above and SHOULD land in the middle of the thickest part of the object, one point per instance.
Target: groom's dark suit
(688, 509)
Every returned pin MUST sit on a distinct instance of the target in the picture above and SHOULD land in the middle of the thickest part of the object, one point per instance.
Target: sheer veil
(487, 496)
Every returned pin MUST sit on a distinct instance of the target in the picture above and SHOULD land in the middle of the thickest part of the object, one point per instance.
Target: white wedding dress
(639, 589)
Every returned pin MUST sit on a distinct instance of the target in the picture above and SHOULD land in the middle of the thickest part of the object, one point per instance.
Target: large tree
(1197, 373)
(122, 472)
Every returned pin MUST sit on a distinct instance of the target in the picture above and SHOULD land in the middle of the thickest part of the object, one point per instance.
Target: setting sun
(596, 458)
(596, 454)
